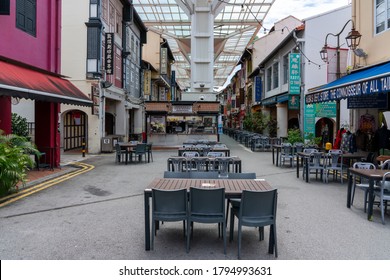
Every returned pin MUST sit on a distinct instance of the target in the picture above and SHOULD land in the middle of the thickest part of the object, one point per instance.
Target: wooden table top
(368, 173)
(382, 158)
(232, 186)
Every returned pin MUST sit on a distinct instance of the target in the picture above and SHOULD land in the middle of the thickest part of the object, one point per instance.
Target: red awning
(22, 82)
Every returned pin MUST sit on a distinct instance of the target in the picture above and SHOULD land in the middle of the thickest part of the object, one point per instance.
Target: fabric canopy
(22, 82)
(363, 82)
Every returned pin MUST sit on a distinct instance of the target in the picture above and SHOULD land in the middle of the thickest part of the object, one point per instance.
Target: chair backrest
(140, 148)
(200, 163)
(203, 175)
(385, 186)
(310, 150)
(364, 165)
(316, 159)
(170, 202)
(335, 158)
(223, 163)
(299, 147)
(118, 148)
(385, 164)
(286, 149)
(215, 154)
(176, 174)
(258, 206)
(178, 163)
(219, 146)
(149, 146)
(207, 201)
(190, 154)
(242, 175)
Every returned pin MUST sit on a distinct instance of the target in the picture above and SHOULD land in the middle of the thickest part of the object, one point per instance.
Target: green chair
(168, 206)
(206, 206)
(256, 209)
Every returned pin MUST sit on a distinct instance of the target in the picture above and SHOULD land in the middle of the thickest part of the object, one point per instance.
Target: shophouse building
(366, 86)
(102, 53)
(31, 84)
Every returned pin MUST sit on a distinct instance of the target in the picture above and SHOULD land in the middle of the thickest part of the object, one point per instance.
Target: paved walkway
(99, 215)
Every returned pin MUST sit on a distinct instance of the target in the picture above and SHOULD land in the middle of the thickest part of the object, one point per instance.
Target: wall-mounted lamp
(353, 40)
(202, 85)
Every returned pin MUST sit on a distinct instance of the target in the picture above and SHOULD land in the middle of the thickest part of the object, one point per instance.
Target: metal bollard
(83, 147)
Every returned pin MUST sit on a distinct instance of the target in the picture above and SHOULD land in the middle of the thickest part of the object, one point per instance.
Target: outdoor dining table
(372, 175)
(226, 151)
(382, 158)
(303, 157)
(233, 189)
(129, 146)
(352, 157)
(236, 162)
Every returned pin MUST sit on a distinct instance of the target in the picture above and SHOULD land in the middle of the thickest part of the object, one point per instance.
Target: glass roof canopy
(236, 25)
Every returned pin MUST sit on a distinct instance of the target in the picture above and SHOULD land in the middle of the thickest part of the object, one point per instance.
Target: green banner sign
(295, 74)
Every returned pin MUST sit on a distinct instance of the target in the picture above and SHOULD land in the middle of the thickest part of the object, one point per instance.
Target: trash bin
(107, 146)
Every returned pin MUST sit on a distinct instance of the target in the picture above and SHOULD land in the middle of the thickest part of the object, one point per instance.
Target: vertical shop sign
(258, 89)
(309, 124)
(147, 81)
(163, 95)
(95, 99)
(164, 61)
(295, 74)
(173, 85)
(109, 53)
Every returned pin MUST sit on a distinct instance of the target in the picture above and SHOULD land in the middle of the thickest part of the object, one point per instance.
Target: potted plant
(294, 136)
(15, 160)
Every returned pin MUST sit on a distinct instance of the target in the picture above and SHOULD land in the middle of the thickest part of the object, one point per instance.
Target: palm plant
(15, 160)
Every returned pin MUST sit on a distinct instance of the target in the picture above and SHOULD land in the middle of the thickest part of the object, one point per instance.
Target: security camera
(201, 85)
(201, 98)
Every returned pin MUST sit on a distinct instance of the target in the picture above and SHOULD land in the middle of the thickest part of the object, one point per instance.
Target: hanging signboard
(293, 102)
(95, 99)
(147, 81)
(109, 53)
(295, 74)
(164, 61)
(258, 89)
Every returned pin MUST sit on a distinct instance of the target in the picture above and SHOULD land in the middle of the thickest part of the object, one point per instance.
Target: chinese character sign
(164, 61)
(295, 73)
(147, 81)
(109, 53)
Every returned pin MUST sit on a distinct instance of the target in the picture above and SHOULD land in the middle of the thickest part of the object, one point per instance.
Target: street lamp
(353, 40)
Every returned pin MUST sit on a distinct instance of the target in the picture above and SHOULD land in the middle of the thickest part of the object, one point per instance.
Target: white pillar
(282, 119)
(202, 47)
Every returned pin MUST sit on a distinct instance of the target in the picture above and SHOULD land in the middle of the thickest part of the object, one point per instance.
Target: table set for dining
(345, 160)
(233, 190)
(184, 172)
(210, 163)
(125, 151)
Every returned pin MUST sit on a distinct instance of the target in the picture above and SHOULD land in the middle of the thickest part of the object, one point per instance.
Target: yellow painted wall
(377, 46)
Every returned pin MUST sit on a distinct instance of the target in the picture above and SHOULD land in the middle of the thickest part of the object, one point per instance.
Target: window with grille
(26, 16)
